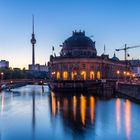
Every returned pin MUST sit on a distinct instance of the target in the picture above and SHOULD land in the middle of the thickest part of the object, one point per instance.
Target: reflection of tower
(33, 113)
(33, 41)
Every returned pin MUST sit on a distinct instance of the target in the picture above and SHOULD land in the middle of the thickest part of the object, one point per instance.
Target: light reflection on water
(118, 114)
(28, 113)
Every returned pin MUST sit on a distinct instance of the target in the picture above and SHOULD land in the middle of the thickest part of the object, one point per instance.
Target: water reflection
(92, 107)
(33, 111)
(53, 100)
(83, 109)
(33, 115)
(58, 105)
(118, 114)
(2, 103)
(75, 109)
(65, 106)
(128, 118)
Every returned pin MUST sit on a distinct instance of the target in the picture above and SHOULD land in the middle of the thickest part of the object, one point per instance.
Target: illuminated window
(58, 75)
(98, 75)
(92, 75)
(65, 75)
(83, 75)
(73, 75)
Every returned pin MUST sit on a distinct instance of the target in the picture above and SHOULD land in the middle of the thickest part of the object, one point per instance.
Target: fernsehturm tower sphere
(33, 41)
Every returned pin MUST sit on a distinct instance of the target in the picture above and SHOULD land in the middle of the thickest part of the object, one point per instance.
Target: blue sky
(111, 22)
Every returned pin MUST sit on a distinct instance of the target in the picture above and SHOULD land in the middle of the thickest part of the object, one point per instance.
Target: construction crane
(125, 50)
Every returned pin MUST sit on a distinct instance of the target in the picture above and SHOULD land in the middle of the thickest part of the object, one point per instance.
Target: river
(30, 113)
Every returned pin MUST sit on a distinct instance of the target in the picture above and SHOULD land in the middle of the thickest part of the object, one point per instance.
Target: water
(28, 114)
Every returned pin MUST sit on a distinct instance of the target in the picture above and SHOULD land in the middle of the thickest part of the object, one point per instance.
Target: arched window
(83, 75)
(98, 75)
(92, 75)
(73, 75)
(58, 75)
(65, 75)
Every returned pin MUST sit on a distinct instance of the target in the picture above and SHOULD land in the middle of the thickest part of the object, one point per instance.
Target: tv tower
(33, 42)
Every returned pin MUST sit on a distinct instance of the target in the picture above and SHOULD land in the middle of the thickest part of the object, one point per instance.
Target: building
(38, 67)
(135, 67)
(4, 64)
(78, 60)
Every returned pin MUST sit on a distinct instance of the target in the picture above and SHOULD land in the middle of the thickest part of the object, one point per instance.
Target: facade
(135, 67)
(78, 60)
(38, 67)
(4, 64)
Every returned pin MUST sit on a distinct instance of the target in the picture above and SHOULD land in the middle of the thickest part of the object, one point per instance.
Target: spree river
(31, 113)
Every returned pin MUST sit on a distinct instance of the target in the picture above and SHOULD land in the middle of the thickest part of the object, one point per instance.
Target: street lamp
(118, 74)
(124, 75)
(2, 76)
(53, 74)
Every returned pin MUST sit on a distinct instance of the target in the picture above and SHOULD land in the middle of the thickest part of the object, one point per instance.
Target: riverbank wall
(128, 90)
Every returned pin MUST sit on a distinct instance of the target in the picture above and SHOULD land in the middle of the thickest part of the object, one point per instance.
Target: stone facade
(83, 65)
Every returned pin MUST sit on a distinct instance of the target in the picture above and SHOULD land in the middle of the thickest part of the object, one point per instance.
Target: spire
(114, 54)
(33, 23)
(33, 42)
(104, 48)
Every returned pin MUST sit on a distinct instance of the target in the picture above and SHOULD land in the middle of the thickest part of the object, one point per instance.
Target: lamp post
(128, 75)
(53, 75)
(2, 76)
(124, 75)
(118, 74)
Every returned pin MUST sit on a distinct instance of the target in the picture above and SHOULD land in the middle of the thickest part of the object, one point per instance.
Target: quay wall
(129, 90)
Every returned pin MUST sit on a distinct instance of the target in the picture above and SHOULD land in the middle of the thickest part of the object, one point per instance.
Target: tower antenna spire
(33, 23)
(33, 42)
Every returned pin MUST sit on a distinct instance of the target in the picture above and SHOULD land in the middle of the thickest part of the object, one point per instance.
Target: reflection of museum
(78, 60)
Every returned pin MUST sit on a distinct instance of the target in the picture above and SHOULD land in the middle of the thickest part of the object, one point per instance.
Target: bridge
(13, 83)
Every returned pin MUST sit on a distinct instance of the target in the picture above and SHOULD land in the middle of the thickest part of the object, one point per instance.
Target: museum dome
(115, 58)
(79, 44)
(78, 39)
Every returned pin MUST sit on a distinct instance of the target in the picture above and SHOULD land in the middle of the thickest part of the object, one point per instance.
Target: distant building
(78, 60)
(38, 67)
(135, 67)
(4, 64)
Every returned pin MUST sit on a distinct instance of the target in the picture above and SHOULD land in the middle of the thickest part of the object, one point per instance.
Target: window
(92, 75)
(73, 75)
(65, 75)
(98, 75)
(83, 75)
(58, 75)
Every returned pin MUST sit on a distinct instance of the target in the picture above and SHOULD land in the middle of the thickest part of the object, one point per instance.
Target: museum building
(78, 60)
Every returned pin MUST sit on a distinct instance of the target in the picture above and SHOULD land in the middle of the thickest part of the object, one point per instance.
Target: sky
(110, 22)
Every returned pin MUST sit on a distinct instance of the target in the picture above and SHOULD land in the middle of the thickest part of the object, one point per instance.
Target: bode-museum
(78, 60)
